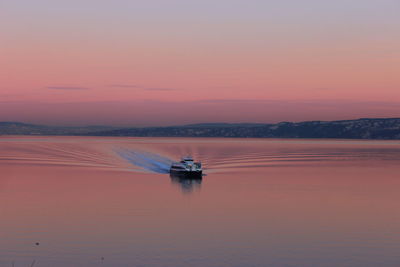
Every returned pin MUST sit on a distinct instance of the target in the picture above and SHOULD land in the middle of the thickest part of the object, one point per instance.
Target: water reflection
(323, 202)
(188, 185)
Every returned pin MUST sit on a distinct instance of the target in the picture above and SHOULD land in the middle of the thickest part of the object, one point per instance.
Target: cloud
(8, 95)
(67, 88)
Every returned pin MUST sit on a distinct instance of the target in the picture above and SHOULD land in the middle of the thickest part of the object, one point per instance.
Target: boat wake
(146, 160)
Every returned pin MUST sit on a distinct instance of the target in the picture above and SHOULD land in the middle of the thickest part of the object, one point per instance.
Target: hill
(347, 129)
(18, 128)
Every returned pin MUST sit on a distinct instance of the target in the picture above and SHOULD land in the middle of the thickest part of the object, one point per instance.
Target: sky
(165, 62)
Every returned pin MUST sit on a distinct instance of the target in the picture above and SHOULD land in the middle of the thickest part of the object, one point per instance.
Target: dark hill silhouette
(366, 128)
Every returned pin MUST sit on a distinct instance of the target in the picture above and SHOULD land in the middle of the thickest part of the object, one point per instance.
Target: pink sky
(145, 62)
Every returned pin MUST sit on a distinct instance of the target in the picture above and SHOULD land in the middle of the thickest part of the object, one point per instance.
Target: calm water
(109, 202)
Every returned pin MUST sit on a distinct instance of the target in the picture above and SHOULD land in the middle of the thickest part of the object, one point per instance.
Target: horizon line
(190, 124)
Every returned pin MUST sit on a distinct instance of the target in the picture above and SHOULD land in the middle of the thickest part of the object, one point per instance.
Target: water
(109, 202)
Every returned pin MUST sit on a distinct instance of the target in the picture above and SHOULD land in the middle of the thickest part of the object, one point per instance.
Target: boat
(186, 168)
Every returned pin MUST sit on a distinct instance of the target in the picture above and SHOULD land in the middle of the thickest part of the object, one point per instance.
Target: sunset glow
(154, 62)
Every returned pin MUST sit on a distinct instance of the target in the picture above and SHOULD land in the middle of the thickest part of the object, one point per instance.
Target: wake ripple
(146, 160)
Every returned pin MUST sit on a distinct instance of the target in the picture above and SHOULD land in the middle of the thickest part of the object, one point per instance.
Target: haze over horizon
(158, 63)
(119, 114)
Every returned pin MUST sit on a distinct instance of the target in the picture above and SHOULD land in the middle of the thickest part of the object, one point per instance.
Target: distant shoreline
(368, 128)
